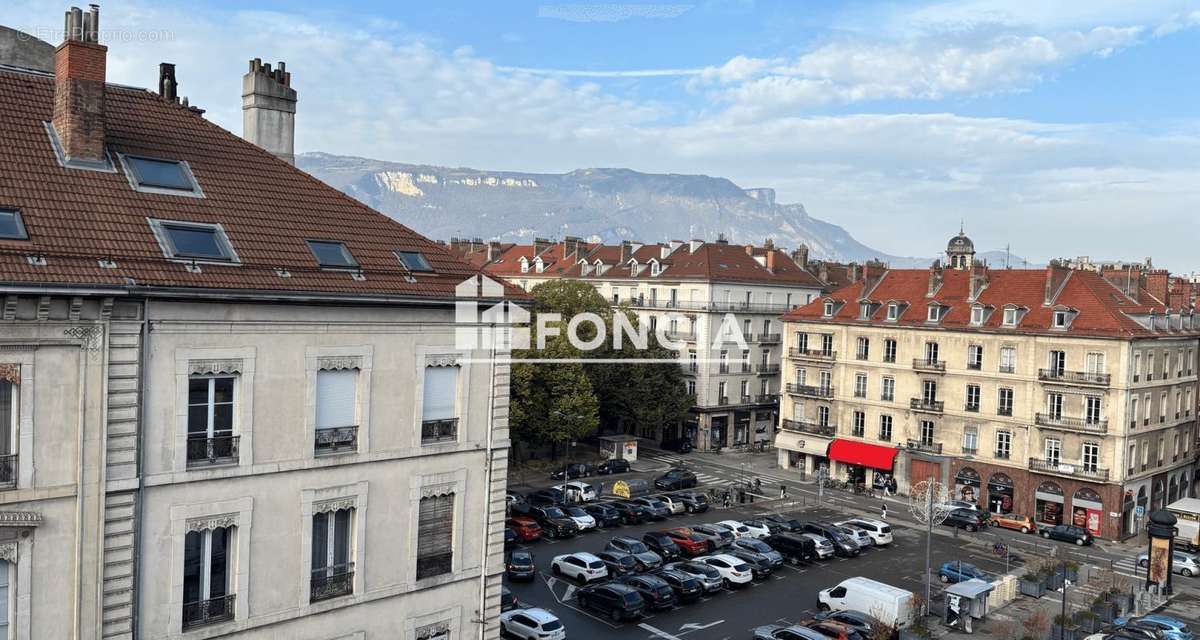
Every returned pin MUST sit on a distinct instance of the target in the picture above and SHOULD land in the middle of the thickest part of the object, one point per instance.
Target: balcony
(1004, 411)
(723, 401)
(819, 355)
(769, 338)
(804, 426)
(331, 582)
(444, 430)
(1063, 422)
(680, 336)
(1069, 470)
(925, 364)
(1074, 377)
(1007, 368)
(925, 405)
(768, 369)
(766, 398)
(746, 367)
(927, 447)
(810, 391)
(972, 407)
(335, 440)
(211, 611)
(723, 368)
(8, 471)
(205, 451)
(975, 366)
(746, 399)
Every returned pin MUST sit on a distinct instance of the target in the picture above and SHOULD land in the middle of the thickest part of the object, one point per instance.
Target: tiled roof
(267, 207)
(1102, 309)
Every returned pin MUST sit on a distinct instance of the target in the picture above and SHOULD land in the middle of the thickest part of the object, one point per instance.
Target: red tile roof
(1102, 309)
(267, 207)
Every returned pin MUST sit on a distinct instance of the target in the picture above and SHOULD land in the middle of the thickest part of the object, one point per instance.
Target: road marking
(658, 632)
(694, 626)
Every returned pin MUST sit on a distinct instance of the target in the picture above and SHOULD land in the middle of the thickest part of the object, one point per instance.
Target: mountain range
(606, 205)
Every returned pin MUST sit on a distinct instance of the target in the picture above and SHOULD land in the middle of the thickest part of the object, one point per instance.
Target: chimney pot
(79, 90)
(269, 109)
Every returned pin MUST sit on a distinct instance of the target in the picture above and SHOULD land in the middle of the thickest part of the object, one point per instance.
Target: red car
(527, 529)
(690, 544)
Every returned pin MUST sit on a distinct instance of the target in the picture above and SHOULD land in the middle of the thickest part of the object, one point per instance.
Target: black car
(692, 502)
(619, 563)
(662, 544)
(572, 471)
(605, 515)
(617, 601)
(520, 566)
(510, 537)
(687, 587)
(968, 519)
(676, 479)
(630, 513)
(508, 601)
(772, 526)
(856, 620)
(794, 547)
(608, 467)
(1067, 533)
(545, 497)
(791, 525)
(760, 565)
(678, 445)
(655, 591)
(555, 523)
(842, 544)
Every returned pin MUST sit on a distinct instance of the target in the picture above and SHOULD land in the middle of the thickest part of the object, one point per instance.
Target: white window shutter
(441, 391)
(5, 570)
(337, 398)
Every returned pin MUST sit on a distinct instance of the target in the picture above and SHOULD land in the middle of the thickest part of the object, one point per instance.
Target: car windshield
(741, 566)
(595, 564)
(757, 545)
(521, 557)
(576, 511)
(554, 512)
(637, 547)
(703, 569)
(552, 625)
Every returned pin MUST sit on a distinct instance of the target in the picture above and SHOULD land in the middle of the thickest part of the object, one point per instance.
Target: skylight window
(331, 254)
(194, 241)
(11, 226)
(414, 261)
(169, 176)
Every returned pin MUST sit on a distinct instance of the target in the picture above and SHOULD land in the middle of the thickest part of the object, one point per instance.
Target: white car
(880, 532)
(531, 624)
(757, 531)
(824, 546)
(584, 567)
(584, 491)
(581, 518)
(859, 536)
(739, 530)
(673, 504)
(734, 571)
(951, 505)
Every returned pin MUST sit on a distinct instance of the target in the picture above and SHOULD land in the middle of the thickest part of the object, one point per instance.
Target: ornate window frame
(431, 485)
(360, 357)
(448, 619)
(205, 361)
(313, 501)
(21, 359)
(236, 512)
(427, 356)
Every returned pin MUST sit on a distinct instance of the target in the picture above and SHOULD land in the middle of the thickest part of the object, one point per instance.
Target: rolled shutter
(337, 398)
(441, 391)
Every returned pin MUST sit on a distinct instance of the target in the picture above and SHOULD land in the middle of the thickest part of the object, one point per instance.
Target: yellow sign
(621, 488)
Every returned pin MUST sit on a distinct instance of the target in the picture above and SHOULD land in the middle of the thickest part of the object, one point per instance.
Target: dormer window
(864, 310)
(414, 261)
(893, 311)
(933, 314)
(161, 176)
(828, 311)
(193, 241)
(977, 313)
(1010, 316)
(332, 255)
(524, 265)
(11, 225)
(538, 265)
(654, 268)
(1060, 319)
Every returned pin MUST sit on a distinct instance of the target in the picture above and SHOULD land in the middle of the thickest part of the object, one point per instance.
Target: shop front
(967, 485)
(1000, 493)
(1048, 504)
(764, 426)
(741, 428)
(802, 452)
(859, 462)
(717, 428)
(1087, 510)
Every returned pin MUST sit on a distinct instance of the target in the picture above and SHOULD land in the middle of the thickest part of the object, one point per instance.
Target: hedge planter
(1053, 582)
(1088, 622)
(1064, 633)
(1031, 588)
(1105, 610)
(1123, 601)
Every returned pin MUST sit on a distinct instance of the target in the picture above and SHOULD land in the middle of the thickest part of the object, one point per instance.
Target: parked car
(662, 544)
(687, 587)
(582, 518)
(1014, 521)
(880, 531)
(856, 620)
(512, 497)
(739, 530)
(577, 491)
(526, 528)
(734, 571)
(617, 601)
(796, 547)
(835, 630)
(1067, 533)
(692, 502)
(646, 559)
(618, 563)
(572, 471)
(520, 566)
(959, 504)
(676, 479)
(508, 601)
(604, 514)
(582, 566)
(630, 513)
(657, 509)
(708, 576)
(531, 624)
(761, 527)
(510, 537)
(754, 545)
(554, 522)
(720, 536)
(674, 505)
(779, 632)
(1184, 564)
(858, 536)
(678, 445)
(892, 606)
(791, 525)
(543, 497)
(690, 543)
(655, 591)
(958, 571)
(843, 545)
(824, 547)
(966, 519)
(1171, 628)
(760, 565)
(609, 467)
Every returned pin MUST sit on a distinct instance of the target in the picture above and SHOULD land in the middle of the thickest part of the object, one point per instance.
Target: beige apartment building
(1046, 392)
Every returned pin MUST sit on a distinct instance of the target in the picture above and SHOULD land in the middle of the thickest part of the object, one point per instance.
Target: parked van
(890, 605)
(1187, 527)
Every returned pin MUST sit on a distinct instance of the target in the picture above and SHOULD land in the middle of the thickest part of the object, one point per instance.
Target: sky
(1055, 128)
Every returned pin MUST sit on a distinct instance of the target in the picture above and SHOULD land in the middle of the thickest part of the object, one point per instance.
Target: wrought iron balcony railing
(443, 430)
(211, 611)
(1062, 422)
(1074, 377)
(1067, 469)
(805, 426)
(928, 406)
(810, 391)
(927, 364)
(335, 440)
(204, 450)
(331, 582)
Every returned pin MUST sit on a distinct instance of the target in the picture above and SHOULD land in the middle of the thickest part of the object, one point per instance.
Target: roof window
(414, 261)
(11, 226)
(331, 254)
(161, 176)
(193, 241)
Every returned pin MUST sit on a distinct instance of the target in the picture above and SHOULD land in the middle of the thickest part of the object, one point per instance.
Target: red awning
(861, 453)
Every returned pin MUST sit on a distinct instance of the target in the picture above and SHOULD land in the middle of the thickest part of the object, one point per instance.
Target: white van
(890, 605)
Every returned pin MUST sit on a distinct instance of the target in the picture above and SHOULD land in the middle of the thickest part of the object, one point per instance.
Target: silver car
(824, 546)
(758, 546)
(859, 536)
(1184, 564)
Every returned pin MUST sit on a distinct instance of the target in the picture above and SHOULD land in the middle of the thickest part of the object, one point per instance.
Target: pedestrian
(782, 491)
(728, 499)
(892, 486)
(600, 491)
(883, 511)
(758, 485)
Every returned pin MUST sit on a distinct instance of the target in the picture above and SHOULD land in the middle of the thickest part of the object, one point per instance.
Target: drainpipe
(143, 359)
(487, 488)
(79, 478)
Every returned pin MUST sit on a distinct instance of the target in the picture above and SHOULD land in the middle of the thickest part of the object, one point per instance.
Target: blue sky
(1061, 129)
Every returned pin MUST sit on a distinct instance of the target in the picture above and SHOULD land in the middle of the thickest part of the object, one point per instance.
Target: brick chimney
(626, 251)
(571, 247)
(493, 250)
(1056, 275)
(79, 71)
(771, 259)
(1158, 283)
(269, 109)
(872, 273)
(980, 278)
(800, 255)
(935, 278)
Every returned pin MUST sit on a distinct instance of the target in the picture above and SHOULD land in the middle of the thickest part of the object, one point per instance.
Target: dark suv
(692, 502)
(687, 588)
(842, 544)
(572, 471)
(630, 513)
(618, 465)
(794, 548)
(655, 591)
(968, 519)
(662, 544)
(617, 601)
(554, 522)
(676, 479)
(1067, 533)
(604, 514)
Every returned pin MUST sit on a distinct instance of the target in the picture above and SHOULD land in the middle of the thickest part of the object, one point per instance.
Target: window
(863, 350)
(860, 424)
(889, 350)
(1008, 359)
(823, 416)
(1132, 457)
(975, 356)
(827, 345)
(864, 310)
(691, 387)
(724, 361)
(745, 359)
(414, 261)
(5, 593)
(1162, 407)
(828, 311)
(1004, 402)
(977, 315)
(932, 315)
(887, 389)
(893, 311)
(337, 411)
(206, 577)
(1054, 405)
(525, 269)
(801, 376)
(1146, 409)
(193, 241)
(826, 381)
(8, 439)
(1162, 450)
(1145, 453)
(332, 569)
(927, 433)
(160, 174)
(970, 439)
(210, 421)
(972, 397)
(1094, 364)
(1060, 319)
(931, 352)
(745, 390)
(1053, 451)
(802, 341)
(1137, 366)
(12, 228)
(333, 255)
(1133, 412)
(885, 428)
(1149, 365)
(1058, 362)
(439, 408)
(1003, 444)
(722, 392)
(693, 366)
(1010, 317)
(1091, 456)
(1091, 409)
(860, 385)
(928, 392)
(435, 536)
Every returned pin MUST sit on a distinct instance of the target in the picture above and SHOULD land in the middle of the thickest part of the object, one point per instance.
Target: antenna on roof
(961, 226)
(1007, 254)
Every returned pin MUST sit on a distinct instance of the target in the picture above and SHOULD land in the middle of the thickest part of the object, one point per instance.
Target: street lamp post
(926, 502)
